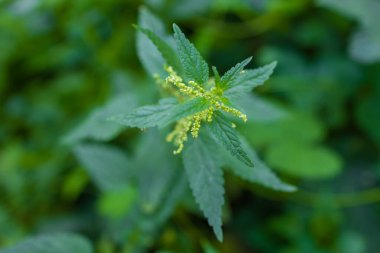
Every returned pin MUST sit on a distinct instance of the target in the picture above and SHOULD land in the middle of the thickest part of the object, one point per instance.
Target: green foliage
(165, 113)
(365, 41)
(147, 116)
(231, 75)
(226, 135)
(259, 174)
(206, 182)
(166, 51)
(193, 64)
(249, 79)
(96, 126)
(68, 67)
(116, 203)
(303, 161)
(58, 243)
(149, 55)
(189, 114)
(107, 165)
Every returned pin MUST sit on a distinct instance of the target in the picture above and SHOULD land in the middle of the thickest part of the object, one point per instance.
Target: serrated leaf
(96, 127)
(249, 79)
(166, 112)
(147, 52)
(108, 166)
(167, 52)
(185, 109)
(195, 67)
(55, 243)
(146, 116)
(206, 182)
(233, 73)
(226, 135)
(260, 174)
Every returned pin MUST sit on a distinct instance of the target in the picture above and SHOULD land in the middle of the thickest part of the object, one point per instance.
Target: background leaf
(167, 52)
(303, 161)
(108, 166)
(56, 243)
(96, 126)
(149, 55)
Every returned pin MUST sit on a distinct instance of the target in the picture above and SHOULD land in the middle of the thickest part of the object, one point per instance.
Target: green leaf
(109, 167)
(156, 173)
(147, 52)
(206, 182)
(260, 174)
(304, 161)
(54, 243)
(96, 127)
(368, 114)
(185, 109)
(233, 73)
(146, 116)
(249, 79)
(300, 128)
(166, 112)
(195, 67)
(226, 135)
(259, 109)
(216, 76)
(167, 52)
(365, 47)
(117, 203)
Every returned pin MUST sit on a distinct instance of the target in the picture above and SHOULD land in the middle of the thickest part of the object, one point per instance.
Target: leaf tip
(176, 28)
(218, 233)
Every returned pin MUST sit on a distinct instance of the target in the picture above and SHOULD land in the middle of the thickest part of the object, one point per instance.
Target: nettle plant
(202, 113)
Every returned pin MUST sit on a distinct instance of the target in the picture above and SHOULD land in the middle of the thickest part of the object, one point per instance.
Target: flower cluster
(193, 123)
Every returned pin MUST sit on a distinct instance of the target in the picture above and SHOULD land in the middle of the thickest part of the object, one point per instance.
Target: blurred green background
(64, 64)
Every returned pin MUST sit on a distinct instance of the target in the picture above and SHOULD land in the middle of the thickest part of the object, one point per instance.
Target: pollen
(179, 135)
(189, 90)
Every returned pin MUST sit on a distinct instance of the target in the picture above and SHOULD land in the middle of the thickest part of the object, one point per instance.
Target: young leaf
(206, 182)
(106, 165)
(167, 52)
(260, 109)
(233, 73)
(248, 80)
(226, 135)
(216, 76)
(195, 67)
(54, 243)
(260, 174)
(146, 116)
